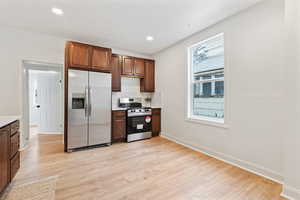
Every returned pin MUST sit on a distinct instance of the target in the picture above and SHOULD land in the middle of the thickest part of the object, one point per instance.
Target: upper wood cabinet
(148, 82)
(134, 67)
(87, 57)
(101, 58)
(127, 66)
(139, 67)
(78, 55)
(116, 73)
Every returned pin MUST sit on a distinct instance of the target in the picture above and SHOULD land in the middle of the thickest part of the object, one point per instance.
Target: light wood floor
(155, 169)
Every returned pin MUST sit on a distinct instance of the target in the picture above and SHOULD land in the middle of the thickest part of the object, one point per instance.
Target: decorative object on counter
(148, 99)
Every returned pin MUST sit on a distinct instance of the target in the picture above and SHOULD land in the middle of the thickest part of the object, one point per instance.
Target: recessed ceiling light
(57, 11)
(149, 38)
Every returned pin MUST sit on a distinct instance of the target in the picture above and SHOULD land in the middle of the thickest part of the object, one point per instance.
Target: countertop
(121, 109)
(118, 108)
(5, 120)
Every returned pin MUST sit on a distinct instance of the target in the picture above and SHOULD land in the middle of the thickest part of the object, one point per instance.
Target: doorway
(43, 99)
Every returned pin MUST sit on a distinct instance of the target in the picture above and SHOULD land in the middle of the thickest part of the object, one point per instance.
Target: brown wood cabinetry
(101, 58)
(118, 126)
(116, 73)
(148, 82)
(87, 57)
(133, 67)
(156, 122)
(14, 144)
(14, 165)
(4, 157)
(127, 66)
(78, 55)
(9, 153)
(139, 67)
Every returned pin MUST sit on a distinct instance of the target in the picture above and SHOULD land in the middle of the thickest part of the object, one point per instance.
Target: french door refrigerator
(89, 109)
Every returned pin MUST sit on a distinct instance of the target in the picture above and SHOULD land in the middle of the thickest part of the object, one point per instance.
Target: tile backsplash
(131, 88)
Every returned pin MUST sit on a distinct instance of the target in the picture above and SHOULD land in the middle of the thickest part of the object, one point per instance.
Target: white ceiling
(120, 23)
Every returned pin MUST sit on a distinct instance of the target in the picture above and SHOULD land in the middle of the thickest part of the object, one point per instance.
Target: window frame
(190, 89)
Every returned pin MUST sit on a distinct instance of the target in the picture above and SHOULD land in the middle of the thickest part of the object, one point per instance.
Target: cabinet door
(148, 82)
(119, 126)
(14, 165)
(139, 67)
(78, 55)
(4, 157)
(14, 144)
(127, 66)
(156, 122)
(116, 73)
(101, 59)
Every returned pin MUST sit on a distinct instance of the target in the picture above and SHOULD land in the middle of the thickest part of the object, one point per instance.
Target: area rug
(39, 190)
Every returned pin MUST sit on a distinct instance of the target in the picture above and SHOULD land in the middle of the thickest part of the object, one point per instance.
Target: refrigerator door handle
(86, 102)
(90, 102)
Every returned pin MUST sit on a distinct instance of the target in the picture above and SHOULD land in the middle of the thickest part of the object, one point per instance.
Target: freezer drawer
(78, 109)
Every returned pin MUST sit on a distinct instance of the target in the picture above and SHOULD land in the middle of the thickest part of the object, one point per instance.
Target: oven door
(139, 124)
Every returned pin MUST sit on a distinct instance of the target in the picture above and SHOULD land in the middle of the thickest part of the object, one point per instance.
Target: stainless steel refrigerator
(89, 109)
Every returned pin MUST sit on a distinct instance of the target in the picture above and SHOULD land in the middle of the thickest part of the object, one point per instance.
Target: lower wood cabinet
(4, 157)
(14, 144)
(118, 126)
(156, 121)
(14, 165)
(9, 153)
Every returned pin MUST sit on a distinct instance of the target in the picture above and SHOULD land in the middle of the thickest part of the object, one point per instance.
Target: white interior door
(48, 98)
(34, 111)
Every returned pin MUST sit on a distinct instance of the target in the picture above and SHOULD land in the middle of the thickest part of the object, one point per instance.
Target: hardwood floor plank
(151, 169)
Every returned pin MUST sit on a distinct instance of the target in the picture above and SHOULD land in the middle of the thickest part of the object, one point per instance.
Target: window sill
(208, 122)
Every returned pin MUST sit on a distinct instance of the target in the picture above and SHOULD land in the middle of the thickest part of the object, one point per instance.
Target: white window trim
(222, 123)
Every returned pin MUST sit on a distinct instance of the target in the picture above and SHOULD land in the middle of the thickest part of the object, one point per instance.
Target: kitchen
(123, 88)
(133, 102)
(90, 68)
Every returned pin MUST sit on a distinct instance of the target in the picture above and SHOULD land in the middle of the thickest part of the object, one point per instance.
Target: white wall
(291, 135)
(19, 45)
(130, 88)
(254, 90)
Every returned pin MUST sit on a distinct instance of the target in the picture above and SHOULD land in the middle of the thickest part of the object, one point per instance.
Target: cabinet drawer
(14, 165)
(14, 144)
(119, 114)
(156, 111)
(5, 130)
(14, 127)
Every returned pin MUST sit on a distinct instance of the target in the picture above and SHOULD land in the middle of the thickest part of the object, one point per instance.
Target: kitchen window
(206, 80)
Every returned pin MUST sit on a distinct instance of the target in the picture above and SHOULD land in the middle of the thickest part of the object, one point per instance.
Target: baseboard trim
(290, 193)
(253, 168)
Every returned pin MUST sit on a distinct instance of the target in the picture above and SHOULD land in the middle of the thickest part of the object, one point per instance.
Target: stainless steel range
(139, 119)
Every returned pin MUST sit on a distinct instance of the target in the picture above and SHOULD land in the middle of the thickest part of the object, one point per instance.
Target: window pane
(206, 90)
(208, 69)
(219, 88)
